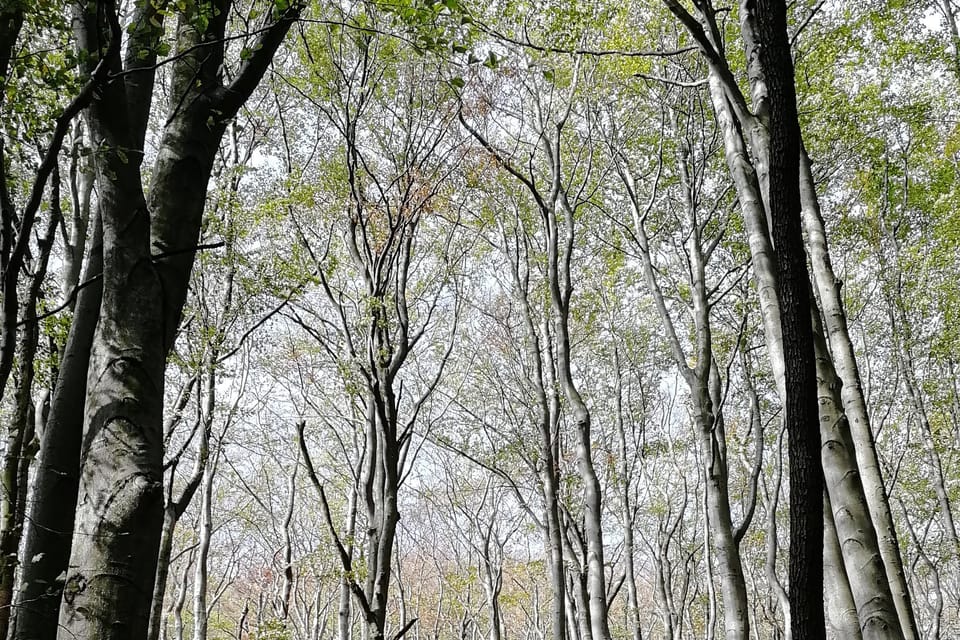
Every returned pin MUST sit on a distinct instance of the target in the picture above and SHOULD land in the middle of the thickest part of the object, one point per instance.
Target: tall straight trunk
(120, 503)
(732, 112)
(344, 610)
(842, 617)
(626, 507)
(850, 518)
(559, 255)
(49, 529)
(724, 547)
(491, 586)
(806, 486)
(704, 384)
(854, 403)
(772, 542)
(201, 569)
(578, 625)
(548, 404)
(35, 421)
(163, 571)
(834, 424)
(552, 533)
(288, 573)
(755, 222)
(176, 608)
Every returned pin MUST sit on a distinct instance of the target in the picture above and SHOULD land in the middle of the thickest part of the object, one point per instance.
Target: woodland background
(444, 319)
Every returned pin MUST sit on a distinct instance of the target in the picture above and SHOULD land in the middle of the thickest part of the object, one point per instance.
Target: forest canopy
(442, 319)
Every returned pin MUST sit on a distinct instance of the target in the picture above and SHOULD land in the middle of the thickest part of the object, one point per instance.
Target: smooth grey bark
(732, 112)
(852, 396)
(736, 121)
(179, 600)
(850, 513)
(120, 497)
(578, 587)
(204, 538)
(559, 256)
(704, 384)
(283, 606)
(843, 621)
(49, 536)
(148, 254)
(772, 544)
(557, 216)
(344, 610)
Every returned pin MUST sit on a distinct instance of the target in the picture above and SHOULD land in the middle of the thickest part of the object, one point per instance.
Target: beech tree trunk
(850, 517)
(49, 530)
(19, 449)
(854, 403)
(704, 384)
(147, 257)
(841, 612)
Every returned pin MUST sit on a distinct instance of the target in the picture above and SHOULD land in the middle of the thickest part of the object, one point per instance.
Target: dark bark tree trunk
(20, 449)
(49, 531)
(11, 21)
(806, 483)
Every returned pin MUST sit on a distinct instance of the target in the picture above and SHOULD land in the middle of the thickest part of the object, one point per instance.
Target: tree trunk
(205, 535)
(120, 505)
(18, 451)
(850, 516)
(344, 611)
(772, 542)
(806, 486)
(854, 403)
(49, 532)
(842, 618)
(626, 508)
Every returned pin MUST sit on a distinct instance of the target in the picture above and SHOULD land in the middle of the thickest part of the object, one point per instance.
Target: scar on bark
(74, 587)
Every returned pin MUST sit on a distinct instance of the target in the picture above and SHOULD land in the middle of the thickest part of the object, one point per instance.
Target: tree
(806, 485)
(148, 251)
